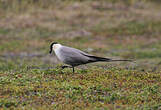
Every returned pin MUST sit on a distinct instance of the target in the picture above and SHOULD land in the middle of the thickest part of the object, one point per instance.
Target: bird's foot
(65, 67)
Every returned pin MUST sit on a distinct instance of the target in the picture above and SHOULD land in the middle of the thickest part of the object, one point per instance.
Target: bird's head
(54, 46)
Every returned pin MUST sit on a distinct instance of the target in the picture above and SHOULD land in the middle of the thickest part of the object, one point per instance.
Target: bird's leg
(68, 67)
(73, 68)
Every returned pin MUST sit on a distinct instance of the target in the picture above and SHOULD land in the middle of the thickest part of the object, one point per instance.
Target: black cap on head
(51, 46)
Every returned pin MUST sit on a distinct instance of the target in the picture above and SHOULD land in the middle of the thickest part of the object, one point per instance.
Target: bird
(75, 57)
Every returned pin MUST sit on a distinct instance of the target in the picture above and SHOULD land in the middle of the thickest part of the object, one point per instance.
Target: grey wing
(74, 56)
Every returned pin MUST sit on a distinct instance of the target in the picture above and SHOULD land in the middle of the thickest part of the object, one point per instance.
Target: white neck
(56, 46)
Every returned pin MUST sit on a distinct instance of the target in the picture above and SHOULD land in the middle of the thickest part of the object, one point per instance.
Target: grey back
(74, 56)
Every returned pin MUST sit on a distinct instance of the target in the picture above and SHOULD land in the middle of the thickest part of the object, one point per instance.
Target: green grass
(4, 31)
(145, 54)
(11, 46)
(148, 28)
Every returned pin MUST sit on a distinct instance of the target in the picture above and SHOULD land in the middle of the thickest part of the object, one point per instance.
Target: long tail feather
(120, 60)
(95, 58)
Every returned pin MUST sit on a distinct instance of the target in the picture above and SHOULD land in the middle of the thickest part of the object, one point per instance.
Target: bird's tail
(118, 60)
(96, 59)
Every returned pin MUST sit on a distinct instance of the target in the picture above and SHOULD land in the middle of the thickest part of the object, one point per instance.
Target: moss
(95, 87)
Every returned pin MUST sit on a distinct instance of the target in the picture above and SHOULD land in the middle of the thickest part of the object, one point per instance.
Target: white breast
(59, 54)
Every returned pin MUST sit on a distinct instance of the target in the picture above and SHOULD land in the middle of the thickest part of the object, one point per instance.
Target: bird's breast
(59, 54)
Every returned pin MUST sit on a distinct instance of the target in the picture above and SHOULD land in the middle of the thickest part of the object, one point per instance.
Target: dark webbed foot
(65, 67)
